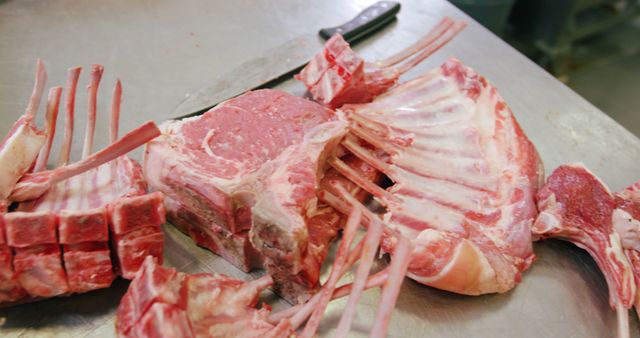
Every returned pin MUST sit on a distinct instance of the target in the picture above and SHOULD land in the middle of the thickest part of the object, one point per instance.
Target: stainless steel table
(164, 49)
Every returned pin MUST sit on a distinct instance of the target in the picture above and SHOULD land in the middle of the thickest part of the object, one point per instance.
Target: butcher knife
(283, 61)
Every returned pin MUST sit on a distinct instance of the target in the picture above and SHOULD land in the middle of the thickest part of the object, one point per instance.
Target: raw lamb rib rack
(73, 220)
(578, 207)
(337, 75)
(241, 180)
(464, 178)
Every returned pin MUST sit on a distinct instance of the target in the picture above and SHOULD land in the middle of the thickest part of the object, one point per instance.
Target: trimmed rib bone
(72, 85)
(53, 104)
(96, 75)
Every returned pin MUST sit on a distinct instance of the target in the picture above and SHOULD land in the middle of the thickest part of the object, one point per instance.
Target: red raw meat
(88, 266)
(162, 300)
(24, 229)
(39, 270)
(242, 179)
(337, 75)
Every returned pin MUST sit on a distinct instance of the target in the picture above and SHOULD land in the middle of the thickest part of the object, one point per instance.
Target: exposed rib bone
(34, 185)
(327, 290)
(373, 281)
(96, 75)
(53, 104)
(72, 84)
(435, 32)
(371, 242)
(115, 112)
(391, 288)
(623, 320)
(363, 183)
(38, 89)
(433, 47)
(367, 156)
(302, 311)
(373, 139)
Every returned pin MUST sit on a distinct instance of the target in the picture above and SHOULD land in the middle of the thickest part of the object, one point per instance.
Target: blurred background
(591, 45)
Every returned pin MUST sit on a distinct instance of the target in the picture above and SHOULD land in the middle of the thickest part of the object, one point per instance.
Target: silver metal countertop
(163, 49)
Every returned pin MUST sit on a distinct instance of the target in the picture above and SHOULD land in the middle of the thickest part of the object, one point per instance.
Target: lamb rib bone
(33, 185)
(460, 183)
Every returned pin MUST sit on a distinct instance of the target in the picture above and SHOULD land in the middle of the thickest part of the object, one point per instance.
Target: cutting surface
(162, 50)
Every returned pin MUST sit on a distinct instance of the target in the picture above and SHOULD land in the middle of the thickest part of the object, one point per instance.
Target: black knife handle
(369, 20)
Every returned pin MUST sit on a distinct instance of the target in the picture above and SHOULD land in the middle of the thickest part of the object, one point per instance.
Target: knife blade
(283, 61)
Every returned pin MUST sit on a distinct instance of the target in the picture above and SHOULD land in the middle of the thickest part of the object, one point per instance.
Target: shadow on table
(76, 310)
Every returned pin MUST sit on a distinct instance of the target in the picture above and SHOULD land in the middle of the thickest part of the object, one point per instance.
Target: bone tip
(41, 70)
(74, 70)
(97, 68)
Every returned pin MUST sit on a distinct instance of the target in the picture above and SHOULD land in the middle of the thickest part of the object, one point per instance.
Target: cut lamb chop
(241, 180)
(58, 239)
(464, 173)
(163, 302)
(337, 75)
(577, 207)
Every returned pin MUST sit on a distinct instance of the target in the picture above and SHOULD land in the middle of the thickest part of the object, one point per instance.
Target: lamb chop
(578, 207)
(337, 75)
(241, 180)
(57, 241)
(464, 178)
(163, 302)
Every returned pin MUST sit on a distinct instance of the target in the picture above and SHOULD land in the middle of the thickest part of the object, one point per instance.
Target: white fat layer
(19, 152)
(436, 215)
(485, 280)
(628, 228)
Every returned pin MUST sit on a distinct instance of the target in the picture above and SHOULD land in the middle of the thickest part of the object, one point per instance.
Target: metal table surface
(164, 49)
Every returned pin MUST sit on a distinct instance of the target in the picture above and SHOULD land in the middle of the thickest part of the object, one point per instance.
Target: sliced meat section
(242, 180)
